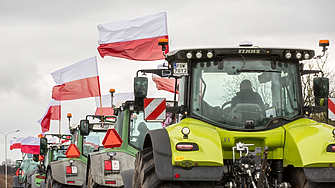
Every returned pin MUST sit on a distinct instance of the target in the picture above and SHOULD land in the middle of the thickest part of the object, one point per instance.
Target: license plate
(115, 165)
(180, 68)
(74, 169)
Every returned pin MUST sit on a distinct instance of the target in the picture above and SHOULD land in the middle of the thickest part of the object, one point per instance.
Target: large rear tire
(90, 182)
(297, 178)
(50, 182)
(145, 175)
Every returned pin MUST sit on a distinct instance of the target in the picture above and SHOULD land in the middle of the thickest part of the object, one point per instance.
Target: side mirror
(140, 87)
(84, 128)
(43, 146)
(18, 163)
(35, 157)
(321, 90)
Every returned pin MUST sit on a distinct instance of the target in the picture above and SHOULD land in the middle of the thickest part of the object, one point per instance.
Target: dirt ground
(3, 182)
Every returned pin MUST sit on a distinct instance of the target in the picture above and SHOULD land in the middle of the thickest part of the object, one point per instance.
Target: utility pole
(6, 151)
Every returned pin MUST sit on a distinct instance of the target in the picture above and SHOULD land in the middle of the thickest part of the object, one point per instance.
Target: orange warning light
(69, 115)
(72, 151)
(111, 90)
(163, 42)
(112, 139)
(324, 42)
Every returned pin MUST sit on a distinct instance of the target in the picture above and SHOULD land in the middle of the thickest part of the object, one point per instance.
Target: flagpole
(59, 122)
(102, 119)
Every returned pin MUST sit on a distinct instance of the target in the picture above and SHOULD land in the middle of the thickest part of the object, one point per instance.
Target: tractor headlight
(198, 55)
(71, 161)
(209, 54)
(189, 55)
(298, 55)
(185, 131)
(288, 55)
(306, 56)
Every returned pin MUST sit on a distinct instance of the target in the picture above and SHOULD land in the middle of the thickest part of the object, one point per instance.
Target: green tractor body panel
(306, 143)
(204, 135)
(301, 143)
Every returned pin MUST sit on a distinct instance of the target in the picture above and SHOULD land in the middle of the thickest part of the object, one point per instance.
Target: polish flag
(52, 113)
(30, 145)
(77, 81)
(135, 39)
(163, 83)
(15, 144)
(106, 102)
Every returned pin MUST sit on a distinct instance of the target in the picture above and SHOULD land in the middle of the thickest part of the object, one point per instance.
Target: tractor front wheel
(145, 175)
(297, 178)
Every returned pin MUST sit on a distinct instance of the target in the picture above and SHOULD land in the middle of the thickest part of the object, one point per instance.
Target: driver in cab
(247, 95)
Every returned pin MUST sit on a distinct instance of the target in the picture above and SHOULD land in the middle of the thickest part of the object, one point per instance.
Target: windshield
(245, 94)
(93, 141)
(139, 127)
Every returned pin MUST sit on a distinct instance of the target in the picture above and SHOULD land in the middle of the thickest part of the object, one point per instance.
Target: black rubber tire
(145, 175)
(51, 183)
(48, 181)
(297, 179)
(90, 182)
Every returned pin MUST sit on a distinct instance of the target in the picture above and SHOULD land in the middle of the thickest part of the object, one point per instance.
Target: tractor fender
(29, 175)
(58, 169)
(306, 146)
(16, 182)
(159, 140)
(306, 143)
(96, 165)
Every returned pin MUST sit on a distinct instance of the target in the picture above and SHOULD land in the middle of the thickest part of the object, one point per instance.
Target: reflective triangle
(112, 139)
(72, 151)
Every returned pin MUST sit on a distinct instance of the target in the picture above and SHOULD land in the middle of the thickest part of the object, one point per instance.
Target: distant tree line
(11, 169)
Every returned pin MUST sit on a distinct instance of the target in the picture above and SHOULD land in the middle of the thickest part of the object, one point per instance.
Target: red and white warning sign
(154, 109)
(331, 108)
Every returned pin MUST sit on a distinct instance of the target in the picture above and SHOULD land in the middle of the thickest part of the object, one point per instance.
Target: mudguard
(306, 144)
(159, 140)
(126, 162)
(58, 169)
(16, 182)
(29, 176)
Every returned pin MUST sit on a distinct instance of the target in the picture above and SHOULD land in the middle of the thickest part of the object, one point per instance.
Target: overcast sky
(40, 37)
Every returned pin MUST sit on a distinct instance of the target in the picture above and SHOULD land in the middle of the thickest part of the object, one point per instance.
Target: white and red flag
(77, 81)
(30, 145)
(135, 39)
(106, 102)
(16, 143)
(163, 83)
(52, 113)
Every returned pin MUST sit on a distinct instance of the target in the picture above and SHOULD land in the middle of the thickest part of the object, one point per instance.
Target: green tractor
(53, 152)
(25, 167)
(240, 122)
(113, 166)
(86, 138)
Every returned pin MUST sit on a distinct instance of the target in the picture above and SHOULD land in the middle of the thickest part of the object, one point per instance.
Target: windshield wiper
(238, 70)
